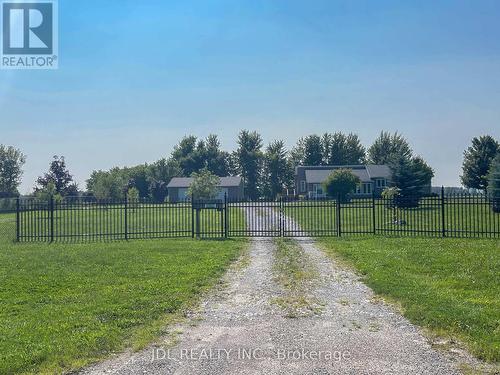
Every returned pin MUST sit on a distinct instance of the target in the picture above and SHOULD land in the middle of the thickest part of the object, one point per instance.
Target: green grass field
(7, 228)
(450, 286)
(63, 306)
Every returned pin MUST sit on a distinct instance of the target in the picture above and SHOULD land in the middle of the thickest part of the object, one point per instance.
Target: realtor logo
(29, 35)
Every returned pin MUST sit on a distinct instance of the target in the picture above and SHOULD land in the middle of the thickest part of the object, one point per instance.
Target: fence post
(18, 219)
(198, 223)
(192, 215)
(281, 217)
(126, 218)
(51, 207)
(226, 219)
(339, 225)
(374, 218)
(443, 221)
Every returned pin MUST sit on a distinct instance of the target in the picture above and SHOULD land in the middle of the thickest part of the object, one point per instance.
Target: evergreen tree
(494, 183)
(412, 177)
(477, 160)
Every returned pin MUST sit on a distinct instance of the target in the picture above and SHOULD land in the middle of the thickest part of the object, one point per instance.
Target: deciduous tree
(342, 149)
(248, 158)
(60, 177)
(204, 185)
(313, 150)
(160, 174)
(11, 163)
(389, 148)
(278, 172)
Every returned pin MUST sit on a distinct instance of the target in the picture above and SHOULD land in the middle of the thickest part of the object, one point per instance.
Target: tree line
(267, 170)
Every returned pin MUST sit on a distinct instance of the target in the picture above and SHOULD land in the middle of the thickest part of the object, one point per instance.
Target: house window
(358, 189)
(381, 183)
(302, 186)
(318, 190)
(367, 188)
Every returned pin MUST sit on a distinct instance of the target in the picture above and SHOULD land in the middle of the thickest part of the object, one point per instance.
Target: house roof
(378, 171)
(185, 182)
(318, 174)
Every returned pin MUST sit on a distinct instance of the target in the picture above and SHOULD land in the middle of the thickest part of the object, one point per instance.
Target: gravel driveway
(239, 330)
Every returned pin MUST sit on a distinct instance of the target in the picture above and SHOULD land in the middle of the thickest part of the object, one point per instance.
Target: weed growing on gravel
(296, 274)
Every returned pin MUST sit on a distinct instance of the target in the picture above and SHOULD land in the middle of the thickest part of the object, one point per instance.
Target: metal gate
(209, 218)
(254, 219)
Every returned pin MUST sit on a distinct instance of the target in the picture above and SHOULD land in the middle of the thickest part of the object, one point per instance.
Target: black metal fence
(76, 219)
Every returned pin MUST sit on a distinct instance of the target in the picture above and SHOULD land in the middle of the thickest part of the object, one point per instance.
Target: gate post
(339, 225)
(18, 219)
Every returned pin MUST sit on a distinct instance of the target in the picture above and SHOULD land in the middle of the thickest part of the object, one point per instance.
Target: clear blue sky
(135, 76)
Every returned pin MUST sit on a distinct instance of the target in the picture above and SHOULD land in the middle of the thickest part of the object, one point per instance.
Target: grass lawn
(63, 306)
(450, 286)
(7, 228)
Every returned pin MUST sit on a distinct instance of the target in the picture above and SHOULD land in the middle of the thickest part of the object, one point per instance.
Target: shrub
(341, 183)
(204, 185)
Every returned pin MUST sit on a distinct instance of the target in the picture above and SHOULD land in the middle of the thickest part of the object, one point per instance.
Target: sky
(134, 77)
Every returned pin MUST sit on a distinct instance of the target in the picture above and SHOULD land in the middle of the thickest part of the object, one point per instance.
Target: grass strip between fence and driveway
(449, 286)
(64, 306)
